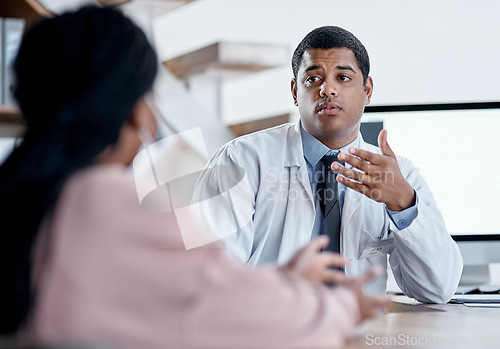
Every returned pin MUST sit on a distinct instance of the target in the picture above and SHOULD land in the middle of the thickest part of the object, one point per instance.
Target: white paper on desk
(479, 299)
(405, 300)
(482, 305)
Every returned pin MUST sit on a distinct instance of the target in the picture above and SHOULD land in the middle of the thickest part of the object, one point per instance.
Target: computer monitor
(457, 148)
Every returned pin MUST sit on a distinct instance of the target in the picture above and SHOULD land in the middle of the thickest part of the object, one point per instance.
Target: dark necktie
(330, 205)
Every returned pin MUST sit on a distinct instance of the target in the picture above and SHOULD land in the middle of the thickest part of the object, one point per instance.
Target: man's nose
(328, 88)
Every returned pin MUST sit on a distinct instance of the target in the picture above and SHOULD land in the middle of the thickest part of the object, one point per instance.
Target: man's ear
(294, 91)
(368, 89)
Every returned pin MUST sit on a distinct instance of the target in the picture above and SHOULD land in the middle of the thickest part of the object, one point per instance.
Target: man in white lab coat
(386, 206)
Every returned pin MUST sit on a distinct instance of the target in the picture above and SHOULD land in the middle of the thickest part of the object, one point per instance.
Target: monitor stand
(476, 279)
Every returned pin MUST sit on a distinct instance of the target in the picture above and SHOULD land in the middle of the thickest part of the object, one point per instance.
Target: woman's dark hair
(78, 76)
(332, 37)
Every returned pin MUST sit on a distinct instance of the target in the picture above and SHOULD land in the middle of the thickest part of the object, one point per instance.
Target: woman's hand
(315, 265)
(368, 305)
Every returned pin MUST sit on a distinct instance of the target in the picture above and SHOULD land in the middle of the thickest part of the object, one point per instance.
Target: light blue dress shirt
(314, 150)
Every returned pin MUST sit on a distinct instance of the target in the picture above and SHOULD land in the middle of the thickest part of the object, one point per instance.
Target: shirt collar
(314, 150)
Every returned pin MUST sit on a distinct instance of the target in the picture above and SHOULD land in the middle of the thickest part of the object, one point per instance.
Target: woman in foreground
(81, 260)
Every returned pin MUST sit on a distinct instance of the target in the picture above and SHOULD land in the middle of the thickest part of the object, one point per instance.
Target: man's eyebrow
(314, 67)
(339, 67)
(346, 68)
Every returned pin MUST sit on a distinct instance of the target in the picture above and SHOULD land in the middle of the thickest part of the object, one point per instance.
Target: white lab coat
(272, 214)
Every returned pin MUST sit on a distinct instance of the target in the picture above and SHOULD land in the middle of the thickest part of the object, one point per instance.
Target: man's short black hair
(331, 37)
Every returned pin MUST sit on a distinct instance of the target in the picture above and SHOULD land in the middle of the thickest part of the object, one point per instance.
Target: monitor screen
(458, 152)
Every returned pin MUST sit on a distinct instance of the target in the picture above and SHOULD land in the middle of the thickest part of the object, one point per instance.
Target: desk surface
(406, 324)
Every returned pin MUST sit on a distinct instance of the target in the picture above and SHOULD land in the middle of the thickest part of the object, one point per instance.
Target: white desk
(453, 326)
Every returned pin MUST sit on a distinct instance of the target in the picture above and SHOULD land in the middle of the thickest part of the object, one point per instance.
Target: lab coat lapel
(352, 218)
(295, 158)
(351, 224)
(352, 200)
(299, 218)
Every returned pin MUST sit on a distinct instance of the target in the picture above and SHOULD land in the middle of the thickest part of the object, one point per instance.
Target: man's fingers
(365, 155)
(359, 187)
(384, 145)
(351, 160)
(368, 156)
(351, 174)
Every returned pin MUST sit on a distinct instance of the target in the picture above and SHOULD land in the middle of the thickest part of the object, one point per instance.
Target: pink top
(110, 271)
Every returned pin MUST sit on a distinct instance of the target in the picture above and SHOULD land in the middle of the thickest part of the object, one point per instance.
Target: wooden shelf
(153, 8)
(257, 125)
(113, 2)
(9, 112)
(11, 122)
(29, 10)
(229, 55)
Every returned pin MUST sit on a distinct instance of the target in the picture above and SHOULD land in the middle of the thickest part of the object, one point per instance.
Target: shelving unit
(220, 61)
(228, 56)
(11, 124)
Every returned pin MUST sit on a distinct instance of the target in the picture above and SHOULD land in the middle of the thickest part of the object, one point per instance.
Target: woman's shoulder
(108, 177)
(103, 202)
(104, 198)
(100, 186)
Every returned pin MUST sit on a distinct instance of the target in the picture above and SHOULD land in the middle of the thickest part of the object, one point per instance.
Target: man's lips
(329, 109)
